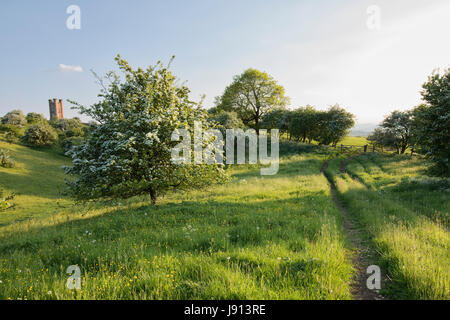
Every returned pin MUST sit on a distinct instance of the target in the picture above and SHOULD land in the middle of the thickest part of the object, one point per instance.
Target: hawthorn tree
(304, 123)
(128, 152)
(41, 134)
(15, 117)
(251, 95)
(35, 118)
(333, 125)
(398, 125)
(432, 121)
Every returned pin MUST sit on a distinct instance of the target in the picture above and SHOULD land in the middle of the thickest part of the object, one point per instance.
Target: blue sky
(321, 51)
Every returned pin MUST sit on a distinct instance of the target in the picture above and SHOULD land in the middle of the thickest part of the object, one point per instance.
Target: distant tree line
(34, 129)
(255, 100)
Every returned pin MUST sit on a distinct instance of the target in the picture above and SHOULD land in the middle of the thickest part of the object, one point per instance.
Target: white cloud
(65, 67)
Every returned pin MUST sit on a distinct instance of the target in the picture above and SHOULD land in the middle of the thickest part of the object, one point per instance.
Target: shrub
(34, 118)
(40, 135)
(4, 201)
(68, 143)
(15, 117)
(5, 159)
(10, 137)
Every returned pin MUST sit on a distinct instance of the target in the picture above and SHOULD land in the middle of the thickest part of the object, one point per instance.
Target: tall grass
(277, 237)
(409, 231)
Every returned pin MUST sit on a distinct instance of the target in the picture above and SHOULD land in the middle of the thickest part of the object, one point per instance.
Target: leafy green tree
(35, 118)
(275, 119)
(381, 138)
(333, 125)
(5, 159)
(304, 123)
(432, 121)
(128, 152)
(12, 132)
(399, 125)
(68, 127)
(66, 124)
(227, 120)
(251, 95)
(39, 135)
(15, 117)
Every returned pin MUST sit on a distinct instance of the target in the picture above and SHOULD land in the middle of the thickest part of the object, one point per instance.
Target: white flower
(49, 292)
(1, 281)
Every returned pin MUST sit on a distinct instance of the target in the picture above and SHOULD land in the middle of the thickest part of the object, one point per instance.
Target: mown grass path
(364, 255)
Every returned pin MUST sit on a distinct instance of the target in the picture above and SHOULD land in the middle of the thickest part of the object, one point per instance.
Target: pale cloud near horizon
(371, 73)
(66, 67)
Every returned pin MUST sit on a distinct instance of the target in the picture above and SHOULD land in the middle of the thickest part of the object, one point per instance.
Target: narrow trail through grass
(404, 215)
(363, 253)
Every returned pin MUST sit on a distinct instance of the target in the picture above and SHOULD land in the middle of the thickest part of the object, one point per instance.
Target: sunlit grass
(276, 237)
(407, 221)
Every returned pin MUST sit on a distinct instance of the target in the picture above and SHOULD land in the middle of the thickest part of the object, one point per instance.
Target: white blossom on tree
(129, 152)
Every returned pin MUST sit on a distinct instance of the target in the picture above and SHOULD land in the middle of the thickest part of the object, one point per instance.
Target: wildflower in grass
(49, 292)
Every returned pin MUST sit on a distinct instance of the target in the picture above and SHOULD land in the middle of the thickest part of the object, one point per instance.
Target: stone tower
(56, 109)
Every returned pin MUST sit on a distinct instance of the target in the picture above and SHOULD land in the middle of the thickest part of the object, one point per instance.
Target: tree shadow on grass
(178, 227)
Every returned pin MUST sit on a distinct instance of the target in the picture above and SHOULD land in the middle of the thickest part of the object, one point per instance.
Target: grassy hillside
(37, 181)
(272, 237)
(258, 237)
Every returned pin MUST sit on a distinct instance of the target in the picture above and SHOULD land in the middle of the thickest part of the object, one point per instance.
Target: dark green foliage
(432, 122)
(277, 119)
(331, 126)
(304, 124)
(35, 118)
(5, 160)
(227, 120)
(69, 142)
(40, 135)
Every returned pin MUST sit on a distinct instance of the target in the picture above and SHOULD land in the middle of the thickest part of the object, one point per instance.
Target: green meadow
(405, 216)
(258, 237)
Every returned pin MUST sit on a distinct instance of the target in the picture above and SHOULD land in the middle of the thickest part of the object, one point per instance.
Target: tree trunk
(153, 195)
(403, 149)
